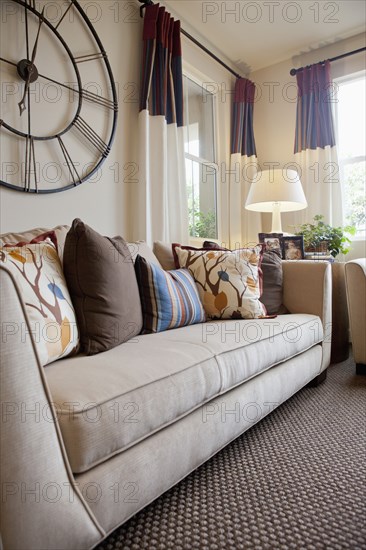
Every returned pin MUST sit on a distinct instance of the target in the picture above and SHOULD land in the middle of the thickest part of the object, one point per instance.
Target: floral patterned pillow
(228, 282)
(38, 272)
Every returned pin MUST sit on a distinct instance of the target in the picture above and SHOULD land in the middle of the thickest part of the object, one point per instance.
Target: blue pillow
(169, 299)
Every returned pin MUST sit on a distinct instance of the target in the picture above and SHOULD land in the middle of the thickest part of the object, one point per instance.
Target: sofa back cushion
(141, 248)
(102, 283)
(164, 253)
(37, 270)
(169, 299)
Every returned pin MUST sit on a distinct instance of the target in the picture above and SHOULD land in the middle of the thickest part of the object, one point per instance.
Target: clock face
(58, 101)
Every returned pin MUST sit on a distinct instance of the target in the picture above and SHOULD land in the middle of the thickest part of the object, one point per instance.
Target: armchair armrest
(356, 298)
(307, 288)
(38, 489)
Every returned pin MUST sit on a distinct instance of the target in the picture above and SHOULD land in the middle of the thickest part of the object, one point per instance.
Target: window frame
(200, 79)
(359, 75)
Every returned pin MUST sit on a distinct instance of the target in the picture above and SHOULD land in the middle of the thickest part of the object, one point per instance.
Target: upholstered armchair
(355, 271)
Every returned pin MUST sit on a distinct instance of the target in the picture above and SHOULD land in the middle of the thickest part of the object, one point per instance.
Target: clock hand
(26, 28)
(21, 103)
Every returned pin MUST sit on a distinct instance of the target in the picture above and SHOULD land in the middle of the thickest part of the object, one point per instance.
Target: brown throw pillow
(102, 283)
(272, 294)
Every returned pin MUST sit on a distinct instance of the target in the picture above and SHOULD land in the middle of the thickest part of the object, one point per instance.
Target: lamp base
(276, 218)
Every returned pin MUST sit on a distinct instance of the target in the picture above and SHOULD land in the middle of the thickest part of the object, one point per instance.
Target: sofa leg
(317, 380)
(361, 368)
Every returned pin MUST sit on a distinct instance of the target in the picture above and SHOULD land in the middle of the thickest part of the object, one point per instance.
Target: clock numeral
(91, 136)
(30, 165)
(31, 3)
(100, 100)
(90, 57)
(70, 164)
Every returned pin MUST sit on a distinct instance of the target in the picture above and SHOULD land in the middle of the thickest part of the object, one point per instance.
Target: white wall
(103, 205)
(275, 110)
(106, 205)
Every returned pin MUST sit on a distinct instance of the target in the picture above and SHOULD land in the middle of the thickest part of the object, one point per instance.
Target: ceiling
(254, 35)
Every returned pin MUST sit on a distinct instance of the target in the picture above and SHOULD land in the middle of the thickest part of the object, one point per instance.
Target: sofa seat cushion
(108, 402)
(245, 348)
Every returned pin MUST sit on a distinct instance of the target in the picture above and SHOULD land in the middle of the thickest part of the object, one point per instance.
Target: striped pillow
(169, 299)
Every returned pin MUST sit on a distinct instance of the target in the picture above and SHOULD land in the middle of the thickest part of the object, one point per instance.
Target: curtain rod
(294, 71)
(194, 40)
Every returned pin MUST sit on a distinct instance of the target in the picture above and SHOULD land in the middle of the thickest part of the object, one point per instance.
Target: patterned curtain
(244, 225)
(315, 146)
(161, 209)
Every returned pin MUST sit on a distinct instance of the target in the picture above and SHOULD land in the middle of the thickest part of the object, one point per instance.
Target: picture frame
(273, 241)
(293, 247)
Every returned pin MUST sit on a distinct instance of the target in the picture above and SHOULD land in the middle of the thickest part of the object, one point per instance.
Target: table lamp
(276, 191)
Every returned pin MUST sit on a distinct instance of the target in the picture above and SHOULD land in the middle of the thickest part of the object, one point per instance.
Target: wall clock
(58, 97)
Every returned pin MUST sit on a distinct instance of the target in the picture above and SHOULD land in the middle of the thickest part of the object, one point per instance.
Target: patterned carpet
(295, 480)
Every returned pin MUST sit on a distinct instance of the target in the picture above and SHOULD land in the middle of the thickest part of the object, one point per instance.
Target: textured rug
(295, 480)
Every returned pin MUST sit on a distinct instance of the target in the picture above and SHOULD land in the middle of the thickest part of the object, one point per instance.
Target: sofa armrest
(307, 288)
(38, 489)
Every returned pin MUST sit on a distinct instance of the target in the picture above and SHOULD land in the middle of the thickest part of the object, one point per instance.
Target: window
(351, 135)
(200, 155)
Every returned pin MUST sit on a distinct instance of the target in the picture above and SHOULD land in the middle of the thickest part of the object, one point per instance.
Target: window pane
(355, 192)
(351, 118)
(351, 143)
(199, 120)
(201, 190)
(200, 160)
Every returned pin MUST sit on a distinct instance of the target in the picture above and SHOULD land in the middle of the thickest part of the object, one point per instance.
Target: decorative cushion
(272, 295)
(188, 247)
(271, 266)
(169, 299)
(229, 282)
(102, 283)
(38, 272)
(29, 236)
(49, 235)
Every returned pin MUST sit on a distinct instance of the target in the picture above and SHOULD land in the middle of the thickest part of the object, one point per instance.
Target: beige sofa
(87, 442)
(355, 272)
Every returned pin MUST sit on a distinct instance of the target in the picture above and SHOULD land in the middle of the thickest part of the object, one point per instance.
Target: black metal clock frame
(78, 122)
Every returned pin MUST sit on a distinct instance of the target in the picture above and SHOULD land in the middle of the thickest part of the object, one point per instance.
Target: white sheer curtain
(320, 178)
(244, 225)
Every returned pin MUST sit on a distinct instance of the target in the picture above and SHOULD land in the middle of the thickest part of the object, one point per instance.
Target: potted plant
(320, 237)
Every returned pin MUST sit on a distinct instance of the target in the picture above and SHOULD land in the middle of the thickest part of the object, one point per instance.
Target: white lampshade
(276, 191)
